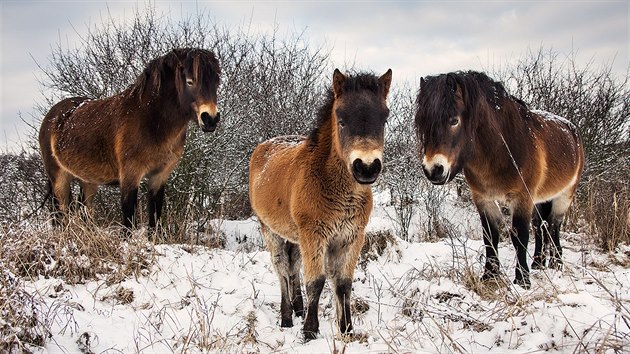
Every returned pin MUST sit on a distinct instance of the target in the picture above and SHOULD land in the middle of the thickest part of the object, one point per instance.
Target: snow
(556, 118)
(196, 299)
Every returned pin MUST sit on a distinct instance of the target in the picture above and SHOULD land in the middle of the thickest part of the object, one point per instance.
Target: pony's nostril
(376, 166)
(357, 165)
(205, 117)
(438, 170)
(217, 118)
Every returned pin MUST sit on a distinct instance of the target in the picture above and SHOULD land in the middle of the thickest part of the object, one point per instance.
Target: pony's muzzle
(209, 123)
(366, 173)
(435, 174)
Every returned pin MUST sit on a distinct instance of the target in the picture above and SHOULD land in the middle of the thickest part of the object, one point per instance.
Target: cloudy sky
(414, 38)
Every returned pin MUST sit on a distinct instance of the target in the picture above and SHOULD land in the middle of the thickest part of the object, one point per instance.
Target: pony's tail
(46, 197)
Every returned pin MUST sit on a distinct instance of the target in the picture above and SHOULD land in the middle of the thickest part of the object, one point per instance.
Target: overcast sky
(414, 38)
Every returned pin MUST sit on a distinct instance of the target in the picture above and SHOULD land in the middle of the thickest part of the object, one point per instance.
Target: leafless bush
(410, 192)
(22, 184)
(22, 325)
(605, 203)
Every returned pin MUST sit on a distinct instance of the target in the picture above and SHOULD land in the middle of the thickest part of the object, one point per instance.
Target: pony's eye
(341, 123)
(454, 121)
(189, 82)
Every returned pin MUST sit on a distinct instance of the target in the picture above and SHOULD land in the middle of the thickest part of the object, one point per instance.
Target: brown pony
(526, 160)
(135, 134)
(313, 198)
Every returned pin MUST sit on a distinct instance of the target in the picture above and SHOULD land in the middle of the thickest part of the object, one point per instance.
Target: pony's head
(445, 125)
(197, 81)
(359, 113)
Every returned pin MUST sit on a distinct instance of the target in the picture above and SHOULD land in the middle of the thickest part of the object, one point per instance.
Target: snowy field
(417, 297)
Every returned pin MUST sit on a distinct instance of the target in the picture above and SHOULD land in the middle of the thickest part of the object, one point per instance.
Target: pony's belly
(86, 168)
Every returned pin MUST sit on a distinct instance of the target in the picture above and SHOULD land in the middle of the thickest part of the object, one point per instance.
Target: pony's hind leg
(540, 225)
(521, 219)
(88, 191)
(156, 201)
(559, 208)
(60, 186)
(555, 250)
(280, 258)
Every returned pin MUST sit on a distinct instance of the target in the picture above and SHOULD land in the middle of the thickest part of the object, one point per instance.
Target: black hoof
(286, 323)
(490, 276)
(300, 313)
(538, 264)
(523, 282)
(556, 263)
(309, 335)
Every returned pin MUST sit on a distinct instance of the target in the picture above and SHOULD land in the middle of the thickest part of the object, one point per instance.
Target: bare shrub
(22, 320)
(23, 186)
(411, 195)
(606, 203)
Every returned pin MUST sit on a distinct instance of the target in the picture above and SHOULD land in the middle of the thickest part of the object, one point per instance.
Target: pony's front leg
(156, 200)
(490, 215)
(340, 266)
(129, 199)
(157, 184)
(520, 238)
(312, 249)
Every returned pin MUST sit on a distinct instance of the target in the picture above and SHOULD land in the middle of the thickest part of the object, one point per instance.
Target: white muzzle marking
(436, 160)
(366, 156)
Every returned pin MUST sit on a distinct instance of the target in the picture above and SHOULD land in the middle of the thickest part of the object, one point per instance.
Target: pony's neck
(327, 160)
(166, 117)
(499, 146)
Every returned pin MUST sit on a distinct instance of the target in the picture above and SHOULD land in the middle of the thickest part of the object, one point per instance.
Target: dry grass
(75, 254)
(377, 244)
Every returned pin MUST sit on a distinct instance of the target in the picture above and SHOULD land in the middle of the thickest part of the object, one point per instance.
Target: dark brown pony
(526, 160)
(313, 198)
(135, 134)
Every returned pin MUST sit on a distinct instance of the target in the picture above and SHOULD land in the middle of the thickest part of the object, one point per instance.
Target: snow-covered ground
(416, 297)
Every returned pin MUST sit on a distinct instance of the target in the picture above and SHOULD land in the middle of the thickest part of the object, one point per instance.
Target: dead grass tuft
(376, 245)
(77, 253)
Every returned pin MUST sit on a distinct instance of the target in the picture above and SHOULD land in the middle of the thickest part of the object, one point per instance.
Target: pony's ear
(338, 80)
(422, 82)
(385, 81)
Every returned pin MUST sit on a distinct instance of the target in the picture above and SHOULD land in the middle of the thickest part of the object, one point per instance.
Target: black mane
(353, 83)
(485, 100)
(163, 68)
